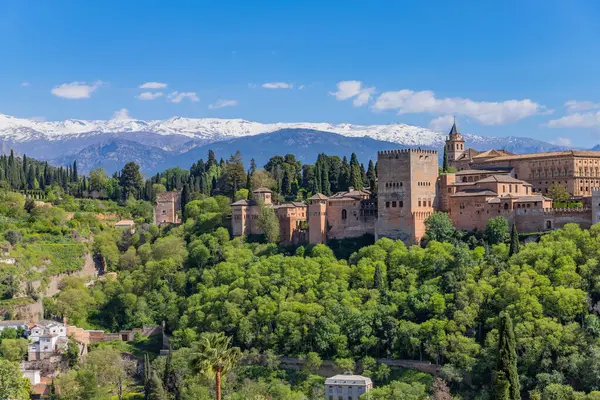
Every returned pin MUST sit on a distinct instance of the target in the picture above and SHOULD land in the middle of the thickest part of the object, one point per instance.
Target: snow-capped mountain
(207, 129)
(176, 141)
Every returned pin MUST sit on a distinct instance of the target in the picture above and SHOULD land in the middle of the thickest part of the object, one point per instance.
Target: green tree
(12, 384)
(445, 163)
(514, 241)
(213, 357)
(558, 193)
(269, 224)
(131, 181)
(507, 376)
(439, 227)
(496, 230)
(372, 176)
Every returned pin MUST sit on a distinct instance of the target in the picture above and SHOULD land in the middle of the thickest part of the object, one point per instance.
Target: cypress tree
(445, 165)
(75, 177)
(514, 241)
(371, 176)
(185, 196)
(378, 278)
(506, 382)
(356, 180)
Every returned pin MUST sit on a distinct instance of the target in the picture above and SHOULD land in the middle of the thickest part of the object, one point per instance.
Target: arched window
(506, 206)
(344, 214)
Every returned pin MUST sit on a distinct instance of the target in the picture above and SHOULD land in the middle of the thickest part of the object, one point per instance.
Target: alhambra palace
(410, 188)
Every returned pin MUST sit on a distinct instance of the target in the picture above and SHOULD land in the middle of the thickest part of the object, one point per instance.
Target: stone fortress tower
(406, 192)
(317, 219)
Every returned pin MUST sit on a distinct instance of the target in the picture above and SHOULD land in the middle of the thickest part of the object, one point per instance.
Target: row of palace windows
(423, 183)
(546, 174)
(510, 189)
(394, 204)
(459, 146)
(592, 171)
(393, 184)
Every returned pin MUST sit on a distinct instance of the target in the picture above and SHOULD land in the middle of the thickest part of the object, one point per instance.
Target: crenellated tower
(406, 193)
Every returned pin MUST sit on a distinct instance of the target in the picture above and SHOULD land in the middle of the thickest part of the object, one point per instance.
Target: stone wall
(346, 219)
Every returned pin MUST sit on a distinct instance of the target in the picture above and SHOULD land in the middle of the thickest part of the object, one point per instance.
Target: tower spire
(454, 129)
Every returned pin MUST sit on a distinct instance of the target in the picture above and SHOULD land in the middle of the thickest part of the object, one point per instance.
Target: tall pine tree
(506, 382)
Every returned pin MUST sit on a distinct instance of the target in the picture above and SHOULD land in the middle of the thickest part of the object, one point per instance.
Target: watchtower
(317, 219)
(406, 193)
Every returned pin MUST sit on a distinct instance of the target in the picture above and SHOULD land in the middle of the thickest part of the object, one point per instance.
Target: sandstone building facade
(577, 171)
(410, 188)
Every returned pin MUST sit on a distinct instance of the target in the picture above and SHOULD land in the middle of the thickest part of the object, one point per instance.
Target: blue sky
(527, 68)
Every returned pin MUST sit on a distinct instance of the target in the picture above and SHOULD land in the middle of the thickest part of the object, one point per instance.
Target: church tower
(317, 219)
(455, 144)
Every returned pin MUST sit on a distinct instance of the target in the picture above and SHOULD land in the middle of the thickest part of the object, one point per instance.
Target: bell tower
(455, 144)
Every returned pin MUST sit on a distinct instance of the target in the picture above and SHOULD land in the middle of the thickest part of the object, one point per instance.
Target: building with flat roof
(347, 387)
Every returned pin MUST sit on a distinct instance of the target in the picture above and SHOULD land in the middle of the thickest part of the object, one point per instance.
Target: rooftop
(348, 380)
(474, 192)
(502, 179)
(12, 322)
(318, 196)
(262, 190)
(566, 153)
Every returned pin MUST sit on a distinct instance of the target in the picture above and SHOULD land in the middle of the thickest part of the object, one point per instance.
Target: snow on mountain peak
(211, 129)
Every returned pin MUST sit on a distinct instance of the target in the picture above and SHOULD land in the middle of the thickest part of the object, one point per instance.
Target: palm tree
(212, 357)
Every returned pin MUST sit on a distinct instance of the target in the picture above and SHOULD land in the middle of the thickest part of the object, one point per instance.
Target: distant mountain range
(158, 144)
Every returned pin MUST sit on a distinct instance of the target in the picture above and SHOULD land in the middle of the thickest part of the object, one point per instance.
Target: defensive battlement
(422, 215)
(406, 151)
(566, 211)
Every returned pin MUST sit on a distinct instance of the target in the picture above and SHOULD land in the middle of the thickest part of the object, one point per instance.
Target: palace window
(387, 204)
(344, 214)
(393, 204)
(400, 203)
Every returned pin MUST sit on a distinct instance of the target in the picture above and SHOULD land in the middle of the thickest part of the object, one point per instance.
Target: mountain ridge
(156, 143)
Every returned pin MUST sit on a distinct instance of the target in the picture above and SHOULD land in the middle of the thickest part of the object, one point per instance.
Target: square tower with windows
(406, 193)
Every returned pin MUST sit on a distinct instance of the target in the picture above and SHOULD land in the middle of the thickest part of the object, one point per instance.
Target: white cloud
(223, 103)
(301, 87)
(349, 89)
(441, 124)
(25, 84)
(150, 95)
(488, 113)
(153, 85)
(76, 90)
(562, 141)
(578, 120)
(121, 114)
(252, 85)
(177, 97)
(575, 105)
(277, 85)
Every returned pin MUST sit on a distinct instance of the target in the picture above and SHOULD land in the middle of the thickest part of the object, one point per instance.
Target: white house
(47, 338)
(15, 324)
(346, 387)
(33, 375)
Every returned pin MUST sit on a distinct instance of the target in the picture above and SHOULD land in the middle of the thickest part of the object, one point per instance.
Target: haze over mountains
(158, 144)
